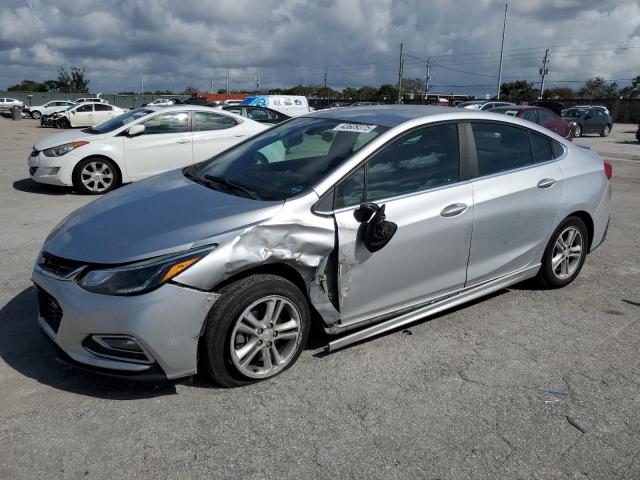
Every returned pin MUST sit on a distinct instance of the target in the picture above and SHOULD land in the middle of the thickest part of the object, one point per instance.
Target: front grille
(50, 309)
(60, 267)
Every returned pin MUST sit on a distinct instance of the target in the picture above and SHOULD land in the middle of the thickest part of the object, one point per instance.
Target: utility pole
(141, 84)
(257, 84)
(400, 72)
(427, 78)
(227, 73)
(504, 28)
(325, 77)
(544, 71)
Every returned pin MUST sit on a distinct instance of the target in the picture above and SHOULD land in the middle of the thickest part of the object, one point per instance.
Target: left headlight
(140, 277)
(62, 149)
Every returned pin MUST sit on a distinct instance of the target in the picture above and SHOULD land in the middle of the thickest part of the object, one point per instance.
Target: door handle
(454, 210)
(184, 140)
(546, 183)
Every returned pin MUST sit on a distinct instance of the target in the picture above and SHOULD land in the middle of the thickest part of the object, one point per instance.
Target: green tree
(518, 91)
(598, 87)
(388, 92)
(189, 90)
(73, 79)
(558, 93)
(28, 86)
(633, 90)
(349, 93)
(128, 92)
(367, 93)
(412, 85)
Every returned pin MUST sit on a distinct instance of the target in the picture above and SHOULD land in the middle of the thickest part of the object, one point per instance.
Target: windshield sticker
(354, 127)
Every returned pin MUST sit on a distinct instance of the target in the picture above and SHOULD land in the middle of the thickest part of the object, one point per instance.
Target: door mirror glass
(135, 130)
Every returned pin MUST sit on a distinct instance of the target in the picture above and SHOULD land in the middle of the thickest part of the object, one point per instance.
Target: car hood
(164, 214)
(65, 137)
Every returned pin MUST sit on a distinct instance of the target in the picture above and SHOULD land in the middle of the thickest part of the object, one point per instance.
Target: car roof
(519, 107)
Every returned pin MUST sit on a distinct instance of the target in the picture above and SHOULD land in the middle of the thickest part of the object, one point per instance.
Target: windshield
(573, 112)
(120, 121)
(285, 160)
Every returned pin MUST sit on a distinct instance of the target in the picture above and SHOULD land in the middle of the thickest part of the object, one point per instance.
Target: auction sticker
(354, 127)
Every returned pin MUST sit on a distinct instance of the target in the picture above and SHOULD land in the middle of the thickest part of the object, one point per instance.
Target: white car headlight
(62, 149)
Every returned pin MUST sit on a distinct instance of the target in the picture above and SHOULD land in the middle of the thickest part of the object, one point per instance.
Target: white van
(292, 105)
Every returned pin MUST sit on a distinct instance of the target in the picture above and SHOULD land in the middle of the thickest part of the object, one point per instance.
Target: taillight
(608, 170)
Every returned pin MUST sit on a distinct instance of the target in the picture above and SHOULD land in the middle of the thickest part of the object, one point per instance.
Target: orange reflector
(80, 143)
(178, 267)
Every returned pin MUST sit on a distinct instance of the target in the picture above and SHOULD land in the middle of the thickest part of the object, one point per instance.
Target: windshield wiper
(235, 186)
(91, 130)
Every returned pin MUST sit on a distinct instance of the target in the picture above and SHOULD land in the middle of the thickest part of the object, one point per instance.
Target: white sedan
(49, 108)
(82, 115)
(136, 145)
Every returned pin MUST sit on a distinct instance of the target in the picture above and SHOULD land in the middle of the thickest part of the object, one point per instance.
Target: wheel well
(280, 269)
(588, 221)
(103, 157)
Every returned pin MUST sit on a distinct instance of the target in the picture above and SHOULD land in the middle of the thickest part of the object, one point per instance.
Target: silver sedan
(358, 219)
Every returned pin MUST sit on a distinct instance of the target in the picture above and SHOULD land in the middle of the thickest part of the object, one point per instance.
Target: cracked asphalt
(525, 384)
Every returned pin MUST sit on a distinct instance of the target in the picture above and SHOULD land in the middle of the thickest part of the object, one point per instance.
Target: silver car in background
(360, 219)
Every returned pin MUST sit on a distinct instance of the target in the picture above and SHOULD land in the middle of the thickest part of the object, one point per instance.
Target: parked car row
(539, 115)
(589, 120)
(86, 114)
(359, 219)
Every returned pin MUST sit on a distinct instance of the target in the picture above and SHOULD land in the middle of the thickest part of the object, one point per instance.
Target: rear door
(516, 200)
(164, 145)
(102, 112)
(418, 179)
(214, 132)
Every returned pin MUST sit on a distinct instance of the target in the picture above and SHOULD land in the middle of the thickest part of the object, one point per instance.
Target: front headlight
(62, 149)
(140, 277)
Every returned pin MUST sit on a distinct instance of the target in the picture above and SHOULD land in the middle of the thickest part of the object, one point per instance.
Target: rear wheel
(95, 176)
(605, 131)
(565, 254)
(36, 114)
(256, 330)
(577, 132)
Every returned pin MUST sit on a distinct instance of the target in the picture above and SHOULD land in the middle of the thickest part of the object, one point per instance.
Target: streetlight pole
(400, 72)
(504, 28)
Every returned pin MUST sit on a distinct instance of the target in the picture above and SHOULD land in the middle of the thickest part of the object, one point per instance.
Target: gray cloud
(287, 41)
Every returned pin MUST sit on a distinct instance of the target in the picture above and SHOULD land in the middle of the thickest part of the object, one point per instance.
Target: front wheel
(95, 176)
(36, 115)
(565, 254)
(577, 132)
(256, 330)
(605, 131)
(63, 123)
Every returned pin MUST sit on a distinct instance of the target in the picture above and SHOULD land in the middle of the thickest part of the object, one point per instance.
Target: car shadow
(24, 348)
(30, 186)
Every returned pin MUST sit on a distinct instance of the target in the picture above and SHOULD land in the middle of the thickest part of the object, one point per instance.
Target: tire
(95, 176)
(63, 123)
(228, 336)
(36, 115)
(605, 131)
(577, 132)
(560, 265)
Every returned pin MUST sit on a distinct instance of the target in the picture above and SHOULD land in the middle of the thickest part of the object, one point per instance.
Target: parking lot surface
(526, 384)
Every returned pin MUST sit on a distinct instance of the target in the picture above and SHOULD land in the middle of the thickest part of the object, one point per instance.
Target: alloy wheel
(97, 176)
(265, 337)
(605, 131)
(578, 131)
(567, 253)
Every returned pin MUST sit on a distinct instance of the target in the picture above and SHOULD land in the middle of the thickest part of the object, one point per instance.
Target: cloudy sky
(186, 42)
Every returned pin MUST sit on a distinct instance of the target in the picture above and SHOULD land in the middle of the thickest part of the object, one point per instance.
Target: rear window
(500, 147)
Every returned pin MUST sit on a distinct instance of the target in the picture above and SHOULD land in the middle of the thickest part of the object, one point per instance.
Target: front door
(82, 116)
(164, 145)
(516, 199)
(417, 178)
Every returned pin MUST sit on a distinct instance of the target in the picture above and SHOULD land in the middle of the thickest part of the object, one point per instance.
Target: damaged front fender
(294, 236)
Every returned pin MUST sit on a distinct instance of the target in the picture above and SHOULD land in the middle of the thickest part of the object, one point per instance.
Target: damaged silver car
(358, 219)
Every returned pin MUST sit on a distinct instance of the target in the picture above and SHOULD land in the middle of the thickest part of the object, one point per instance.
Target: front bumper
(166, 323)
(53, 170)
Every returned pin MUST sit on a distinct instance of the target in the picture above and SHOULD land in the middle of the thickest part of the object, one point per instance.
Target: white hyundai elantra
(136, 145)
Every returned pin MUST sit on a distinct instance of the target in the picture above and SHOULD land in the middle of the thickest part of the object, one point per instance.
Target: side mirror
(135, 130)
(378, 231)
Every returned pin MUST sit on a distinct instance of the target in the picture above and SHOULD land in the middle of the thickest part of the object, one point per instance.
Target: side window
(351, 190)
(101, 107)
(170, 122)
(500, 147)
(558, 150)
(542, 148)
(85, 108)
(546, 117)
(257, 114)
(530, 115)
(425, 158)
(237, 111)
(205, 121)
